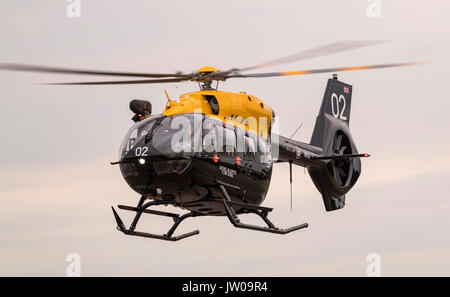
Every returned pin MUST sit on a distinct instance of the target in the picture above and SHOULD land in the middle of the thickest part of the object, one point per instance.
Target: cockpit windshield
(189, 134)
(160, 134)
(135, 134)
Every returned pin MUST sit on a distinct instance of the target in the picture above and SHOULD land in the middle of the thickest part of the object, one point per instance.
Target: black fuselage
(191, 180)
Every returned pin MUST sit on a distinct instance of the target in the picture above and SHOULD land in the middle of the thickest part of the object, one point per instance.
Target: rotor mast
(205, 76)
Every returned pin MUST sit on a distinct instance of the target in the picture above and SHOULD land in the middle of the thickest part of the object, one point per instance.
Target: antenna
(296, 131)
(290, 179)
(290, 162)
(167, 95)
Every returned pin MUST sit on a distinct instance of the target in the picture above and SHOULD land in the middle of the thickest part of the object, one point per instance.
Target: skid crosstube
(142, 208)
(262, 212)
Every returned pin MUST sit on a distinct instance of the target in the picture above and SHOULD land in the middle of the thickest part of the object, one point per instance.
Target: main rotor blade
(320, 51)
(49, 69)
(123, 82)
(324, 70)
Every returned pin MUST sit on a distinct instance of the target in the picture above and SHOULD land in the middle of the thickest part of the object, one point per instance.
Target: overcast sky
(56, 184)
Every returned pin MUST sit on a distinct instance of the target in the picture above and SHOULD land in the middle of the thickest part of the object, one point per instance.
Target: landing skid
(142, 208)
(262, 212)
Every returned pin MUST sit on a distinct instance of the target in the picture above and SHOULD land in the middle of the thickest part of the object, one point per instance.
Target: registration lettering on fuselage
(227, 171)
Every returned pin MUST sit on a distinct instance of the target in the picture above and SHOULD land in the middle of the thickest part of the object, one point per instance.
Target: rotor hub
(207, 70)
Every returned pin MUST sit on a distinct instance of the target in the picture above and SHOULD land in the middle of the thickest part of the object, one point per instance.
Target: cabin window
(221, 140)
(229, 144)
(250, 147)
(264, 150)
(210, 143)
(217, 139)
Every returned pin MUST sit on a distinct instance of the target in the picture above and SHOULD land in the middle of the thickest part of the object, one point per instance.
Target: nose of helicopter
(152, 163)
(146, 173)
(151, 155)
(148, 164)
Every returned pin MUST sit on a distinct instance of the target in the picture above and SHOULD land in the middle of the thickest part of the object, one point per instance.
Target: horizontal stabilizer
(334, 157)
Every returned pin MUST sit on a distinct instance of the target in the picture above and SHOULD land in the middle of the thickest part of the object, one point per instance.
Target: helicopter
(212, 152)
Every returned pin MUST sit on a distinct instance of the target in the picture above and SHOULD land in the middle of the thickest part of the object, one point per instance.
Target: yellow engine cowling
(239, 109)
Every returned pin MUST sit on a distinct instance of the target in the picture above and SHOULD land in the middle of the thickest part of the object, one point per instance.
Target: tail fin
(332, 134)
(335, 110)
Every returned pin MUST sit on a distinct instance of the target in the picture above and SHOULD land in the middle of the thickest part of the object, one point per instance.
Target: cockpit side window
(180, 133)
